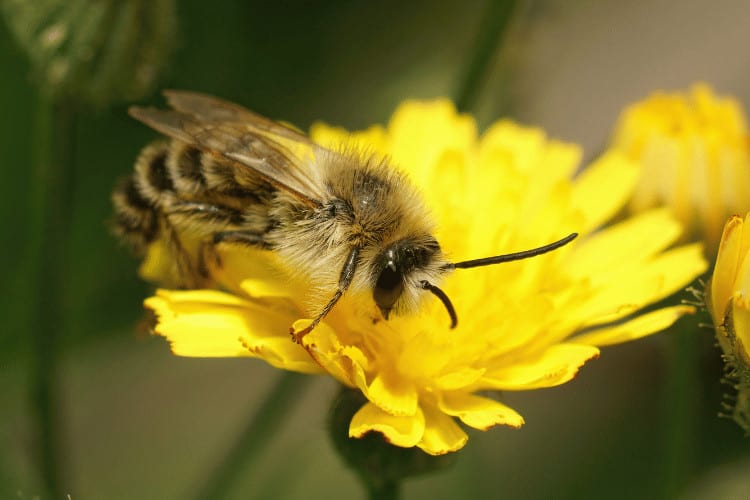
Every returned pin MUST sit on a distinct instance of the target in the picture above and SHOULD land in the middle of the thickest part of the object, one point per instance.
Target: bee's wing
(209, 108)
(279, 154)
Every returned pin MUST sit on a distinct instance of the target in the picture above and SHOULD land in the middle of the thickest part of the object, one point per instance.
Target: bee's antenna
(487, 261)
(444, 299)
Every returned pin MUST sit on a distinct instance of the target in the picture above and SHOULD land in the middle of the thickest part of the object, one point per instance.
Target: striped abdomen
(181, 195)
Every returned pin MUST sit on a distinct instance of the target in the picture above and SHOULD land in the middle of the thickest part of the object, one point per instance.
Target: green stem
(51, 211)
(493, 25)
(260, 429)
(386, 490)
(681, 412)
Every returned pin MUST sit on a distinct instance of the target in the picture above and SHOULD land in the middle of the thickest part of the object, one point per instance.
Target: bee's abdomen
(137, 200)
(177, 186)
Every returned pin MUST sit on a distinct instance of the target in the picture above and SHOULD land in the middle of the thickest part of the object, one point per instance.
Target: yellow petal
(693, 146)
(560, 160)
(263, 288)
(177, 312)
(421, 132)
(282, 353)
(526, 150)
(441, 434)
(741, 306)
(395, 395)
(233, 264)
(626, 243)
(653, 280)
(404, 431)
(741, 325)
(180, 301)
(636, 328)
(447, 187)
(603, 188)
(157, 267)
(479, 412)
(345, 363)
(556, 365)
(727, 262)
(206, 323)
(372, 139)
(742, 283)
(745, 248)
(459, 379)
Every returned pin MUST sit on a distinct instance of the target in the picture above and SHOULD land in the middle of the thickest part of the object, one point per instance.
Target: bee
(344, 220)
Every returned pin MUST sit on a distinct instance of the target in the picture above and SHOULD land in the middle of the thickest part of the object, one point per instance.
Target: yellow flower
(728, 300)
(696, 157)
(521, 325)
(729, 292)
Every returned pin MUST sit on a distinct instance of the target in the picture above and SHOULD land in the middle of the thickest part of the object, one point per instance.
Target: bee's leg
(201, 219)
(192, 213)
(186, 274)
(345, 279)
(207, 258)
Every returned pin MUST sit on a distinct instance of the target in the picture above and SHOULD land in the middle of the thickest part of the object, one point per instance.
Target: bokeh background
(139, 423)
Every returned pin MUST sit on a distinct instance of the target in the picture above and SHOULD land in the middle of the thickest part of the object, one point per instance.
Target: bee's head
(408, 262)
(398, 266)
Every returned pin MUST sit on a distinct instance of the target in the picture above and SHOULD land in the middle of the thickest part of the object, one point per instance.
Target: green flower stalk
(82, 53)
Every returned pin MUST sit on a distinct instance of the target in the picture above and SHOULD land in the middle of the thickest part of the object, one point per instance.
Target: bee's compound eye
(388, 289)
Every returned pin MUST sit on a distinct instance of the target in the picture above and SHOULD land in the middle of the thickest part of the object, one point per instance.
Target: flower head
(696, 157)
(521, 325)
(728, 300)
(95, 52)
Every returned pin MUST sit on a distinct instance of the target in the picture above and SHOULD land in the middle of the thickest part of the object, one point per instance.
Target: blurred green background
(139, 423)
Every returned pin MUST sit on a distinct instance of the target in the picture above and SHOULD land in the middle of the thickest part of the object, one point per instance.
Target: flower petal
(395, 395)
(371, 139)
(206, 323)
(741, 325)
(626, 243)
(235, 265)
(404, 431)
(741, 305)
(636, 328)
(725, 271)
(281, 352)
(653, 280)
(459, 379)
(422, 132)
(479, 412)
(158, 266)
(556, 365)
(603, 188)
(526, 150)
(441, 434)
(693, 148)
(345, 363)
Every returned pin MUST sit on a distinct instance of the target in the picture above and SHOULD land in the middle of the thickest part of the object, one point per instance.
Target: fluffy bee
(344, 220)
